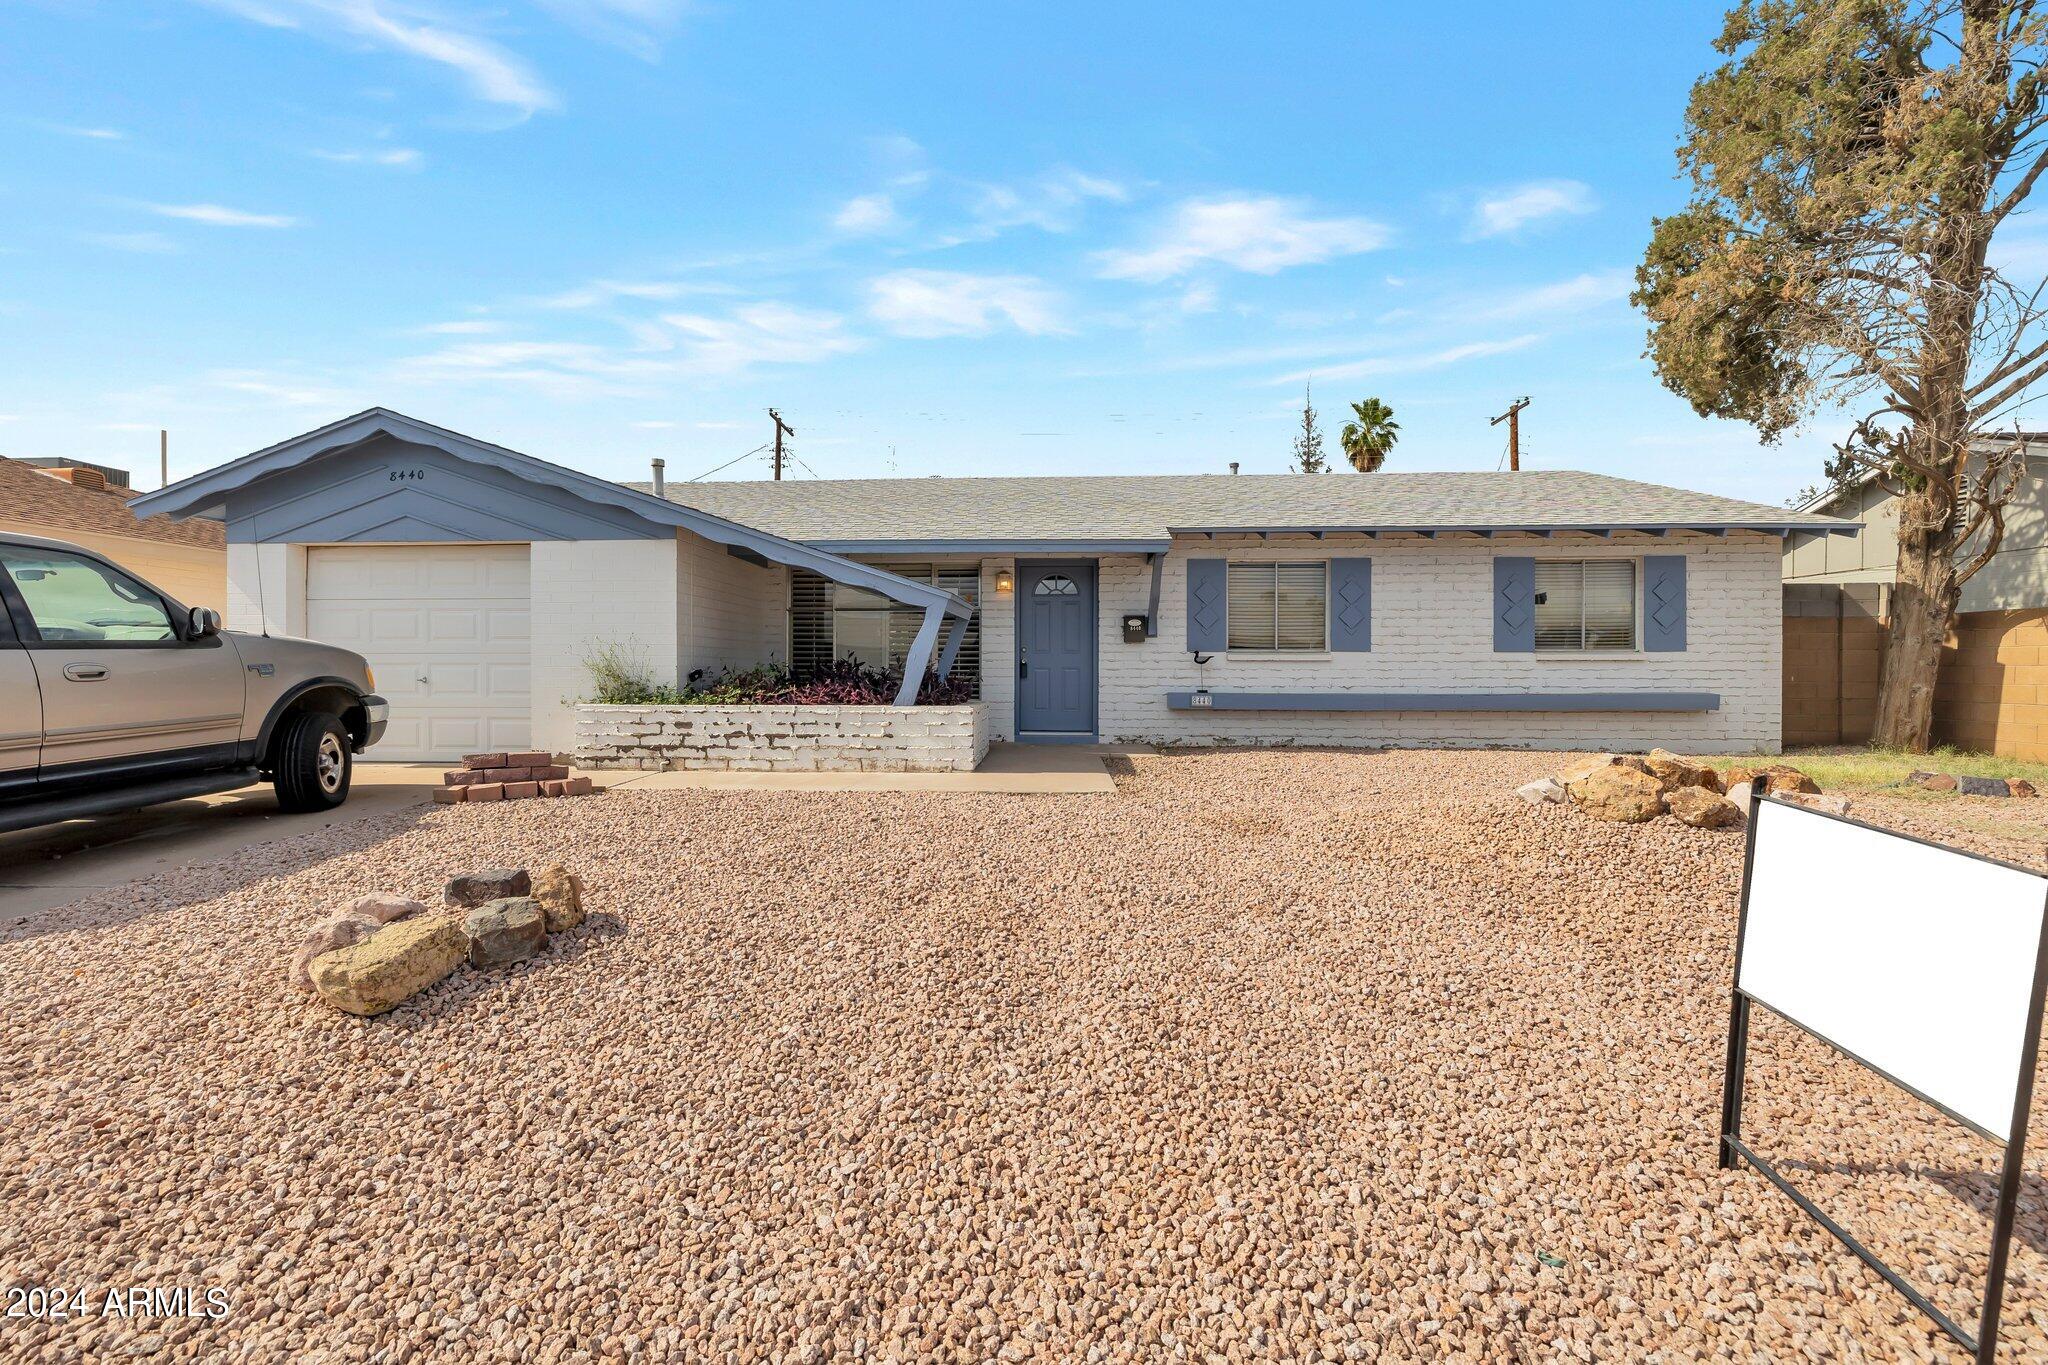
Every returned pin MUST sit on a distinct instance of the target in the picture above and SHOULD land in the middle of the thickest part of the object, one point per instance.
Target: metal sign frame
(1984, 1344)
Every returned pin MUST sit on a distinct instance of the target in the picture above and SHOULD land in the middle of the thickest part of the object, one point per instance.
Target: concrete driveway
(41, 869)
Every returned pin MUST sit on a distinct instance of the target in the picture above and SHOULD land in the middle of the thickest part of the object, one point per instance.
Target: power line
(729, 463)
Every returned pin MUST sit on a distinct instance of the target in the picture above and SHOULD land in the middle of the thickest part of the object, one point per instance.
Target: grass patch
(1866, 769)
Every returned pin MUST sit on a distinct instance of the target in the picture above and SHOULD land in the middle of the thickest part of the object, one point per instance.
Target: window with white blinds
(1279, 606)
(1585, 604)
(829, 620)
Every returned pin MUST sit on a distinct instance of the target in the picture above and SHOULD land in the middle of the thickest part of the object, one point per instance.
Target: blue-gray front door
(1056, 651)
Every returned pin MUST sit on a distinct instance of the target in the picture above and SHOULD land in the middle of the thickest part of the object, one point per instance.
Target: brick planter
(938, 739)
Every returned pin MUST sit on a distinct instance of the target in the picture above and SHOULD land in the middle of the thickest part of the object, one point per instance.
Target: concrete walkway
(1043, 769)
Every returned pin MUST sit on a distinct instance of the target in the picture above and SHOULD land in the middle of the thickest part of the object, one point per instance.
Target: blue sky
(941, 238)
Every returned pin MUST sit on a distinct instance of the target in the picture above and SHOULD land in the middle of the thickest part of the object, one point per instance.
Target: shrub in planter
(620, 679)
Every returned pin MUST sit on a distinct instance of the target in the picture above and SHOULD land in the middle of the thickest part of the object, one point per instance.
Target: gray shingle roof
(846, 512)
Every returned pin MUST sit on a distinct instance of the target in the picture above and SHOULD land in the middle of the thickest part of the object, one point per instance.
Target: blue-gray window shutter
(1208, 598)
(1514, 604)
(1350, 604)
(1664, 602)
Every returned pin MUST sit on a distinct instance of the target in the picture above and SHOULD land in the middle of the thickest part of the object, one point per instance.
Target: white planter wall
(936, 739)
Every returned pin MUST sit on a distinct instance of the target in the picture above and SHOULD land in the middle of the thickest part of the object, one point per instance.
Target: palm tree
(1367, 440)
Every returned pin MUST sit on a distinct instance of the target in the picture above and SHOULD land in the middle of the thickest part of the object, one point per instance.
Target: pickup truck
(114, 696)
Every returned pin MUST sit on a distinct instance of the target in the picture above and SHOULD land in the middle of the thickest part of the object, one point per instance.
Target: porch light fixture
(1005, 581)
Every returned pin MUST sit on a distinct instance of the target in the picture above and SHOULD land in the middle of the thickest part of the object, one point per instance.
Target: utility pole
(163, 457)
(1513, 417)
(782, 429)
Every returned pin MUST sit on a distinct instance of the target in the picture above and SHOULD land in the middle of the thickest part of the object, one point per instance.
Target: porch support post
(920, 657)
(956, 635)
(1152, 612)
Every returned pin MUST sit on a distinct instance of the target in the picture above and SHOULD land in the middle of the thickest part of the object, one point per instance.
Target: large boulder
(494, 883)
(1702, 809)
(397, 963)
(1982, 786)
(559, 893)
(1619, 793)
(1673, 772)
(505, 931)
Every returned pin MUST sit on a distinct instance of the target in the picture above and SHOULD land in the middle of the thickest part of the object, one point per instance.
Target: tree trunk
(1923, 610)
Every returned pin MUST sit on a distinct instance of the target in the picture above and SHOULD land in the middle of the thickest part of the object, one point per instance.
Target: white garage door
(445, 629)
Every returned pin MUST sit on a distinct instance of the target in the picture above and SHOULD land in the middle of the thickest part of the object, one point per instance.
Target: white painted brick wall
(591, 593)
(1433, 632)
(735, 614)
(783, 738)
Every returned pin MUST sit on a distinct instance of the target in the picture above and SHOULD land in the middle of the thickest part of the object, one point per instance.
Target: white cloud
(96, 134)
(278, 389)
(1263, 234)
(638, 26)
(216, 215)
(462, 327)
(1053, 202)
(599, 292)
(492, 73)
(1575, 295)
(760, 334)
(1511, 210)
(146, 243)
(940, 303)
(401, 158)
(1409, 364)
(867, 213)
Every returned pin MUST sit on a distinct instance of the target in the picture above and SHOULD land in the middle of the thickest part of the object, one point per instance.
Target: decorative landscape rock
(1933, 782)
(1673, 772)
(1620, 794)
(399, 962)
(1738, 796)
(384, 908)
(1833, 805)
(503, 931)
(344, 930)
(559, 893)
(495, 883)
(2019, 786)
(1983, 786)
(1544, 790)
(1780, 778)
(1702, 809)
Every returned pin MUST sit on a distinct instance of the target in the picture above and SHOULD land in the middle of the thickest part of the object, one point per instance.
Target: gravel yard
(1268, 1056)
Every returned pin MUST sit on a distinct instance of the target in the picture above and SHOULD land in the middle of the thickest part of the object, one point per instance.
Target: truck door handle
(85, 672)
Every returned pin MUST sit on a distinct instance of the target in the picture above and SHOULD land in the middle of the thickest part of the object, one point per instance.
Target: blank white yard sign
(1916, 959)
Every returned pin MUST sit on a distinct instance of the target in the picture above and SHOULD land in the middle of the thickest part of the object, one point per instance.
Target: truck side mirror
(202, 623)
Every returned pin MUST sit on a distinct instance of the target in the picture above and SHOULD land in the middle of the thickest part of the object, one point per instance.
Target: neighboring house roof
(1834, 493)
(54, 507)
(1139, 512)
(206, 494)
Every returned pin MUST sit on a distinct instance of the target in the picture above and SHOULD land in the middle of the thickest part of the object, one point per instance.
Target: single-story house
(1993, 690)
(1547, 608)
(79, 502)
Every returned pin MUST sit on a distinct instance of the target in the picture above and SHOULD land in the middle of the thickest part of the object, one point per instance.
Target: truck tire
(312, 765)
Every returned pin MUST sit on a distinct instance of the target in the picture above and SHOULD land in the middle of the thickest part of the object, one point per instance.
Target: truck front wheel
(312, 764)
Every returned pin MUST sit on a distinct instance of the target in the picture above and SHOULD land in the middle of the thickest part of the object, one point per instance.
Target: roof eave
(204, 492)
